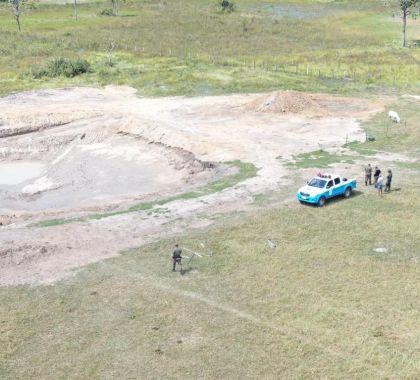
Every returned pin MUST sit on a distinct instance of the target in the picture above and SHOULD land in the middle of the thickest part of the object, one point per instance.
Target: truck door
(337, 186)
(330, 187)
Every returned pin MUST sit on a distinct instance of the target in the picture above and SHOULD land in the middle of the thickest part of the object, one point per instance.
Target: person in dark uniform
(376, 175)
(368, 175)
(176, 256)
(388, 181)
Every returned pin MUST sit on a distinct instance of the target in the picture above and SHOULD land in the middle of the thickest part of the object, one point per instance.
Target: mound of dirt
(285, 102)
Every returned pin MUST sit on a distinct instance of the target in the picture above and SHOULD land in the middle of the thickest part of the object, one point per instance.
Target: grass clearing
(319, 159)
(391, 137)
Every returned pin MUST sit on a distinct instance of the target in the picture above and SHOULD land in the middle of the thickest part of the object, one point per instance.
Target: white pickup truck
(324, 186)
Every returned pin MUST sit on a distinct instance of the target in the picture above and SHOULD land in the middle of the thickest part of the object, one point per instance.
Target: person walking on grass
(176, 257)
(380, 184)
(376, 175)
(388, 181)
(368, 175)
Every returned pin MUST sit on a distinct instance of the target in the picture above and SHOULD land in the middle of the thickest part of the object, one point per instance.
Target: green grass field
(319, 159)
(181, 47)
(390, 137)
(323, 304)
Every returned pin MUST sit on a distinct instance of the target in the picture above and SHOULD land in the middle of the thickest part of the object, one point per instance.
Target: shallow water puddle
(14, 173)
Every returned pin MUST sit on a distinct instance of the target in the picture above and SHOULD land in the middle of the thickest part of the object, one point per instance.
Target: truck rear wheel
(348, 192)
(321, 202)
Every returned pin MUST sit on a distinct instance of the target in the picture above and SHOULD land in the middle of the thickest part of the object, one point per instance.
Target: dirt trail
(106, 148)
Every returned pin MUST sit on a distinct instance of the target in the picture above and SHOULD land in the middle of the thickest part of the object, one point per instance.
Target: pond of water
(14, 173)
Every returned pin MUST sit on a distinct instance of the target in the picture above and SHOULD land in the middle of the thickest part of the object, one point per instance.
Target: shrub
(107, 12)
(64, 67)
(226, 5)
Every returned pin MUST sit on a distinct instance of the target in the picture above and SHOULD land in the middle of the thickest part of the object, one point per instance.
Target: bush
(64, 67)
(226, 5)
(106, 12)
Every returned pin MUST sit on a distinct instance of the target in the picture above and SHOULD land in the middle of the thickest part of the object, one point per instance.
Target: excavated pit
(70, 156)
(65, 160)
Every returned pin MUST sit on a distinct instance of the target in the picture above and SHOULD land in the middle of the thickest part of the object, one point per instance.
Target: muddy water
(14, 173)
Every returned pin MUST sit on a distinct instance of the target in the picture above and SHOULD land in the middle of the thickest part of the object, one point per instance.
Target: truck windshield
(316, 182)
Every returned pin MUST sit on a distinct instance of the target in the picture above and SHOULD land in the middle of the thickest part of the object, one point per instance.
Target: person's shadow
(186, 271)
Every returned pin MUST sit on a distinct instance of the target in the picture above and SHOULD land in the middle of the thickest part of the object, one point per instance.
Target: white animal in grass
(394, 116)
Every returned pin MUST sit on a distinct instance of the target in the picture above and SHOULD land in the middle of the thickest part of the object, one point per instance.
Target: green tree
(75, 9)
(115, 7)
(18, 7)
(407, 7)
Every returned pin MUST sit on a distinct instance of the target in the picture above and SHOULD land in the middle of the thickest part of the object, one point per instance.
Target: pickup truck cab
(324, 186)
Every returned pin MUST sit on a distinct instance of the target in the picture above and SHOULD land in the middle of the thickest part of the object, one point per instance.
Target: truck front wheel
(348, 192)
(321, 202)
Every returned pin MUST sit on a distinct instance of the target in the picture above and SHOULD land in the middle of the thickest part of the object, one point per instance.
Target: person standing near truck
(376, 175)
(388, 181)
(368, 175)
(380, 184)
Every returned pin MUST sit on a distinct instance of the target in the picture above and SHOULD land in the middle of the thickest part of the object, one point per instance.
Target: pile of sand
(285, 102)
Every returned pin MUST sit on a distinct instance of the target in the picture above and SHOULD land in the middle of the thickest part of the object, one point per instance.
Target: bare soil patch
(103, 149)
